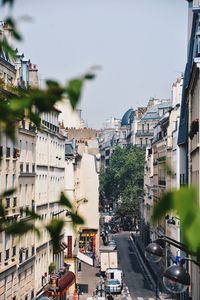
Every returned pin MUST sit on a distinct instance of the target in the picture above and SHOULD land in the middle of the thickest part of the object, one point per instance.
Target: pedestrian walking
(109, 297)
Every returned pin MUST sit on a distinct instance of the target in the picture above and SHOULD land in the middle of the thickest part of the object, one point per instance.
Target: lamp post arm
(183, 260)
(173, 242)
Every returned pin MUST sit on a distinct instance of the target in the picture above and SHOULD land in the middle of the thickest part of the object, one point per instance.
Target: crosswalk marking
(141, 298)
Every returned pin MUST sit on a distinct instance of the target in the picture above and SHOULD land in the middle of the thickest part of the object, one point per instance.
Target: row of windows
(10, 202)
(142, 142)
(26, 145)
(54, 143)
(143, 127)
(26, 168)
(7, 253)
(53, 178)
(9, 152)
(12, 184)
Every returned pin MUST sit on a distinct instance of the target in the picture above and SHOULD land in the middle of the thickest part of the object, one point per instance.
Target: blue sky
(140, 46)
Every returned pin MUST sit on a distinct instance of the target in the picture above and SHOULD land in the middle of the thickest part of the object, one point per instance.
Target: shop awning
(65, 281)
(85, 258)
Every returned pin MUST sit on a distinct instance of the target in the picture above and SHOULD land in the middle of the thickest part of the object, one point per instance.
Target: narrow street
(135, 285)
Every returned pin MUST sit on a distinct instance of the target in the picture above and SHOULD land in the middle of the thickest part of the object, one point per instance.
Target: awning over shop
(85, 258)
(61, 282)
(66, 281)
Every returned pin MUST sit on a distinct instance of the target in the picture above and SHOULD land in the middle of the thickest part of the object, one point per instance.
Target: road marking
(151, 298)
(140, 298)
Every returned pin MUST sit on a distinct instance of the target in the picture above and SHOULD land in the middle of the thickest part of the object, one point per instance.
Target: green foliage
(55, 228)
(182, 202)
(65, 201)
(52, 268)
(76, 219)
(21, 227)
(123, 180)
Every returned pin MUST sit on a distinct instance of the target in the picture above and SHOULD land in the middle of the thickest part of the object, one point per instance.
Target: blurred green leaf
(2, 211)
(65, 201)
(35, 118)
(7, 193)
(76, 219)
(182, 202)
(7, 49)
(73, 90)
(89, 76)
(55, 229)
(32, 214)
(12, 26)
(20, 228)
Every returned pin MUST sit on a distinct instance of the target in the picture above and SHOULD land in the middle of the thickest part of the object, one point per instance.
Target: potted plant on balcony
(194, 128)
(52, 268)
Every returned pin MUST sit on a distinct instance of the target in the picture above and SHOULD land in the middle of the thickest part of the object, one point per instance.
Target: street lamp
(154, 251)
(175, 278)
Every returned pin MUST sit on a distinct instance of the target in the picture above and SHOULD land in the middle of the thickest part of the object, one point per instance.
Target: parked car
(113, 286)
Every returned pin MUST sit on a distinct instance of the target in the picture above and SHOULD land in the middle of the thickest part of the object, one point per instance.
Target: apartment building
(188, 138)
(50, 180)
(9, 172)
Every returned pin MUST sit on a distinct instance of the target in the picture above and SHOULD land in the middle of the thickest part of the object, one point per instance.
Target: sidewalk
(88, 278)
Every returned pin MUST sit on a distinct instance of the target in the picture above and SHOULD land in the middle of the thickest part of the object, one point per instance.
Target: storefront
(61, 285)
(87, 241)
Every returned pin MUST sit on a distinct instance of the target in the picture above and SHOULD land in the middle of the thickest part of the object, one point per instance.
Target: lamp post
(175, 278)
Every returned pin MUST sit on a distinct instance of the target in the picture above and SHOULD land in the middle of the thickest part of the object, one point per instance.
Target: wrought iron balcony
(144, 133)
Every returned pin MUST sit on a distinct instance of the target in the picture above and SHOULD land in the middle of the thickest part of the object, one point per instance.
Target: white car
(113, 286)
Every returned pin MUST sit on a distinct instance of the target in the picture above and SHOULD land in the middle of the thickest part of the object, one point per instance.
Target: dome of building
(126, 117)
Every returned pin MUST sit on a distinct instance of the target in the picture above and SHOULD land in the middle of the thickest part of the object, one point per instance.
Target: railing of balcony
(144, 133)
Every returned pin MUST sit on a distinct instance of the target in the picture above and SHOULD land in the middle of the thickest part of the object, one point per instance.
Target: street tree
(122, 182)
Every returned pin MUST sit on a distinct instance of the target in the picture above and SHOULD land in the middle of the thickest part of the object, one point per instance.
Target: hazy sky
(139, 44)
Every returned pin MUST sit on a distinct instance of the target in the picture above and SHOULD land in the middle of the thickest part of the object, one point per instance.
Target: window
(26, 253)
(33, 250)
(141, 142)
(0, 257)
(147, 127)
(6, 182)
(13, 181)
(7, 254)
(7, 151)
(142, 127)
(146, 141)
(21, 167)
(27, 167)
(33, 168)
(14, 201)
(7, 202)
(14, 251)
(15, 153)
(32, 294)
(1, 151)
(20, 258)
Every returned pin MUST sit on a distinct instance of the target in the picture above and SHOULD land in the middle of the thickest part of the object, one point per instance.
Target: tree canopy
(122, 182)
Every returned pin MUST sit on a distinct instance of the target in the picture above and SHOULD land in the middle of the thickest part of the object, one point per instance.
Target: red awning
(65, 281)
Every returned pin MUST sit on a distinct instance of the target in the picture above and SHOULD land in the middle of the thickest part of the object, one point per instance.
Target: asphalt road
(136, 286)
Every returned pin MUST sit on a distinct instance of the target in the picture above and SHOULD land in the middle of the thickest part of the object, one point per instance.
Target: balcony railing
(144, 133)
